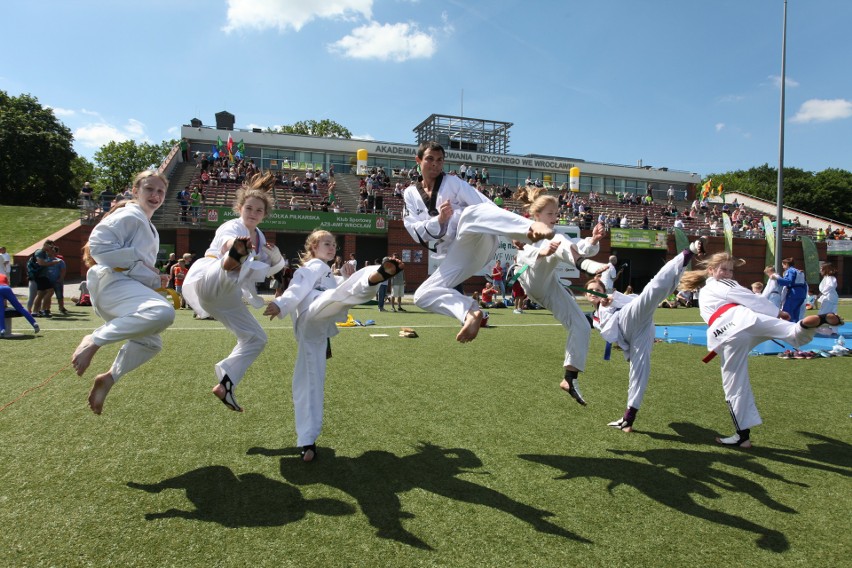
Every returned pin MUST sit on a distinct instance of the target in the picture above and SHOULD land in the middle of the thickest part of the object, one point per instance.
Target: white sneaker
(518, 312)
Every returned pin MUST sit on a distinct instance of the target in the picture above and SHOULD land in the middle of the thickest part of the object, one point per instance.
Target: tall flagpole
(779, 217)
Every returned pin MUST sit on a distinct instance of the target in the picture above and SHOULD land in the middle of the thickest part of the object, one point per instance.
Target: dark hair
(429, 145)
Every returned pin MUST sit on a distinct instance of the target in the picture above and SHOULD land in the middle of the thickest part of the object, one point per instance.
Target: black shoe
(308, 453)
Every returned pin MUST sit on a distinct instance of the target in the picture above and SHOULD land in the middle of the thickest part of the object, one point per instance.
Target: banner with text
(306, 221)
(638, 238)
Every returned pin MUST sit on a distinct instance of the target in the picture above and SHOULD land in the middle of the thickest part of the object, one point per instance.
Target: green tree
(35, 154)
(826, 193)
(324, 128)
(119, 162)
(82, 171)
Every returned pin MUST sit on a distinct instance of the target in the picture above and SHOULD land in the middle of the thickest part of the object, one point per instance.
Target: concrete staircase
(347, 192)
(168, 216)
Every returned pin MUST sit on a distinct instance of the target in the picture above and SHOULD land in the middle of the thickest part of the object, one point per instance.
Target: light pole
(779, 217)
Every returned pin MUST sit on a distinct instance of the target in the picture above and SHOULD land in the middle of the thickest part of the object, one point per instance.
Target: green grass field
(433, 454)
(20, 227)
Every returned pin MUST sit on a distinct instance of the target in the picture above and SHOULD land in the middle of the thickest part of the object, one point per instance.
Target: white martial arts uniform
(542, 284)
(629, 322)
(772, 292)
(212, 291)
(828, 298)
(316, 300)
(608, 278)
(465, 244)
(122, 283)
(749, 321)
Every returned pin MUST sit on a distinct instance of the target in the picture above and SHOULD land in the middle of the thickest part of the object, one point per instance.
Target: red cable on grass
(35, 388)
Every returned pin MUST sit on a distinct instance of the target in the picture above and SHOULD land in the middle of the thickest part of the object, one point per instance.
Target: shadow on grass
(248, 500)
(670, 489)
(376, 478)
(827, 454)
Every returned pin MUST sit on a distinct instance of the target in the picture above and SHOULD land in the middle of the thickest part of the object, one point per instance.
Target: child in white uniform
(739, 320)
(628, 320)
(316, 300)
(122, 280)
(828, 298)
(237, 259)
(541, 282)
(464, 225)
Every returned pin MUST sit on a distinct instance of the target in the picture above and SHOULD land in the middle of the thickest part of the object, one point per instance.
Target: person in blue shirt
(795, 288)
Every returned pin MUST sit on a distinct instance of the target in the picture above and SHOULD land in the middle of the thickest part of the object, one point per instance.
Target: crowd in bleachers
(308, 187)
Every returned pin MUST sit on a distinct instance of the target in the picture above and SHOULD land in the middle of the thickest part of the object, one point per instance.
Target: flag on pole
(219, 143)
(706, 189)
(241, 147)
(230, 147)
(215, 153)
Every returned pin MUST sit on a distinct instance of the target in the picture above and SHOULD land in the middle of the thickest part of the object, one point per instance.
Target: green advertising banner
(809, 251)
(681, 243)
(729, 233)
(638, 238)
(306, 221)
(769, 231)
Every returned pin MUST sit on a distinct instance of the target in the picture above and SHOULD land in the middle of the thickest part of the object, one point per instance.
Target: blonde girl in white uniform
(739, 320)
(463, 225)
(122, 280)
(628, 320)
(237, 259)
(541, 281)
(315, 300)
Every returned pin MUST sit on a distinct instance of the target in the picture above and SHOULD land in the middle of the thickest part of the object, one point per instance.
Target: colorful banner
(809, 251)
(681, 242)
(769, 231)
(306, 221)
(638, 238)
(729, 233)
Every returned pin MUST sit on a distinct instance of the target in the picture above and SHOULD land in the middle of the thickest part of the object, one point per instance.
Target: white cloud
(820, 110)
(97, 134)
(731, 98)
(776, 80)
(283, 14)
(396, 42)
(253, 125)
(363, 137)
(720, 126)
(173, 131)
(62, 112)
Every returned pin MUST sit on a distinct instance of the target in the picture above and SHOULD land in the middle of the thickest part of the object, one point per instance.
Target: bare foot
(539, 231)
(100, 389)
(471, 327)
(84, 354)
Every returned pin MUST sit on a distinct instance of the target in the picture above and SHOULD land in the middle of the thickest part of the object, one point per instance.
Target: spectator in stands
(184, 149)
(678, 223)
(625, 222)
(183, 198)
(195, 200)
(670, 194)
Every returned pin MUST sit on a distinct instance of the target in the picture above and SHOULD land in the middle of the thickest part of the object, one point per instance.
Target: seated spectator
(487, 296)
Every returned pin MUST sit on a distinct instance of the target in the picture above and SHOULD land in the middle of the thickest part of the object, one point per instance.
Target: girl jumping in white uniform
(237, 259)
(541, 282)
(738, 321)
(464, 225)
(628, 320)
(316, 300)
(122, 280)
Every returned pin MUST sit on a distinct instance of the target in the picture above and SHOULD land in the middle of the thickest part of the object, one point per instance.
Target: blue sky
(686, 84)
